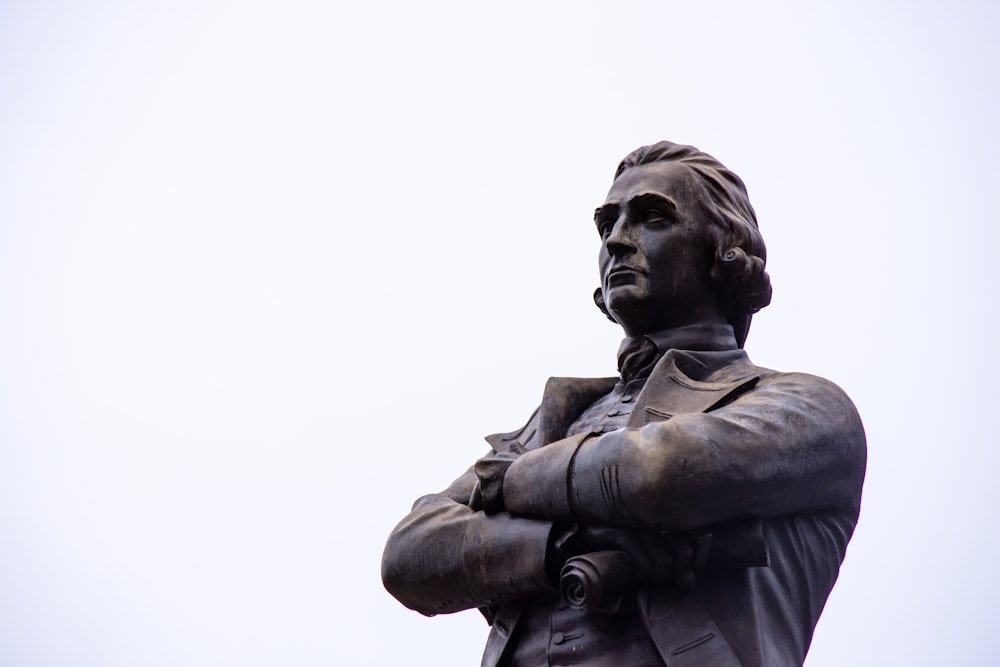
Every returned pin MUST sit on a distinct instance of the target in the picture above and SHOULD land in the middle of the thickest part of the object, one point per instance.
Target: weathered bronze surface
(692, 512)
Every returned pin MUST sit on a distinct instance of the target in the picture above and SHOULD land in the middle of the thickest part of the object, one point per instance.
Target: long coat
(712, 439)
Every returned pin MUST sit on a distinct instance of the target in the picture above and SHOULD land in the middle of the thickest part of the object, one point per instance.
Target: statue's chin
(632, 313)
(624, 299)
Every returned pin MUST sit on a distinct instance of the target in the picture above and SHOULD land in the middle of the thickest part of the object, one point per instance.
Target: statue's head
(680, 244)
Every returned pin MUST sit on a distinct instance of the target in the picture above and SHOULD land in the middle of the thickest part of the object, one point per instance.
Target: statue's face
(656, 250)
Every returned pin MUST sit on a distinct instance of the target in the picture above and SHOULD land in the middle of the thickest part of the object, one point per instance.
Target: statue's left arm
(445, 556)
(792, 445)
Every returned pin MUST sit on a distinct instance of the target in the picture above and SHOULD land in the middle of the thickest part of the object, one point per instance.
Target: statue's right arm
(793, 445)
(445, 557)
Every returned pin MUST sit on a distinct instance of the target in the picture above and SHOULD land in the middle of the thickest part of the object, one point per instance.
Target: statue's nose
(619, 241)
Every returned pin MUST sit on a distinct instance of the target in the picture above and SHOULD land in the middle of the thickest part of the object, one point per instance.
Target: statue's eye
(655, 216)
(604, 227)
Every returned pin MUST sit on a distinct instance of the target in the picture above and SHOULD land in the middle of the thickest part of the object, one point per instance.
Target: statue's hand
(649, 555)
(654, 558)
(488, 492)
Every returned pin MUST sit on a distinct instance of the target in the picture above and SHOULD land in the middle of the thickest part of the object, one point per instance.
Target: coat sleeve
(792, 445)
(444, 557)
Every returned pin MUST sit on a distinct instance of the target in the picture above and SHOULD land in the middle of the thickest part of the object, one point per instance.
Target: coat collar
(683, 381)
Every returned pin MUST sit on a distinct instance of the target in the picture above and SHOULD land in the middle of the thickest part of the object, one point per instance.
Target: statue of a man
(693, 511)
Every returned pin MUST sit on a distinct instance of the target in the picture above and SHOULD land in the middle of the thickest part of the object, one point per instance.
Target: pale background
(268, 272)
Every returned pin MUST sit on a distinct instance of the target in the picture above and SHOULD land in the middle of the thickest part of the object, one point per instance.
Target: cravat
(636, 358)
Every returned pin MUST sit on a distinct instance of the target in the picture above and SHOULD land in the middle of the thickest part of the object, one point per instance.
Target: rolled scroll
(595, 581)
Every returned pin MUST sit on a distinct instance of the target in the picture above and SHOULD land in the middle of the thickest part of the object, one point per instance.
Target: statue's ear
(599, 302)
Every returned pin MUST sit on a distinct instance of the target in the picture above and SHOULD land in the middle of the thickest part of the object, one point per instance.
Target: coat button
(558, 638)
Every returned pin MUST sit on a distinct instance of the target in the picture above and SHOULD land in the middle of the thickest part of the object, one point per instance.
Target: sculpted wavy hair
(740, 254)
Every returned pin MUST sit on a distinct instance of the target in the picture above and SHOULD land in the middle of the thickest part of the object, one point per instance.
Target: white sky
(270, 272)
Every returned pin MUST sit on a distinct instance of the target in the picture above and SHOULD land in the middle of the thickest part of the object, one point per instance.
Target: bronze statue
(694, 511)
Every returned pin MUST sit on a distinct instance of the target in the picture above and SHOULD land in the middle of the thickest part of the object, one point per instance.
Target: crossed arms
(793, 445)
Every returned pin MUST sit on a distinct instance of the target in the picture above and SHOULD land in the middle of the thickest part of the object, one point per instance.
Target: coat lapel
(682, 382)
(687, 382)
(563, 400)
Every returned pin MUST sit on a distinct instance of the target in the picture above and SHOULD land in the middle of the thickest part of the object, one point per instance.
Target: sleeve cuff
(537, 483)
(505, 554)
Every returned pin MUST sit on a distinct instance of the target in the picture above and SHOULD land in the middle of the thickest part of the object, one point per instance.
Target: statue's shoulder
(743, 367)
(812, 398)
(807, 382)
(788, 387)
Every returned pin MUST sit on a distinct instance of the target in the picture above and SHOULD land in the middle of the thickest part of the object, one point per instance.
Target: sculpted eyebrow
(603, 213)
(652, 199)
(608, 209)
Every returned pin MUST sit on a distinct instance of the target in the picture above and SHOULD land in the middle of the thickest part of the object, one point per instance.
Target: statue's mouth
(622, 275)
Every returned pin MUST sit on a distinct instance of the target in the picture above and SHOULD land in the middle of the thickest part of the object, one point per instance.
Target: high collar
(698, 337)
